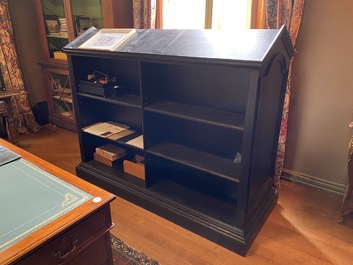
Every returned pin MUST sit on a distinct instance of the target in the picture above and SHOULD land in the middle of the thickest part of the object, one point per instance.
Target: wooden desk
(78, 236)
(8, 113)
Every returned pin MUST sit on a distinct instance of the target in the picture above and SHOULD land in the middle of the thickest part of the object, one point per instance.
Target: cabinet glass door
(86, 13)
(61, 95)
(56, 27)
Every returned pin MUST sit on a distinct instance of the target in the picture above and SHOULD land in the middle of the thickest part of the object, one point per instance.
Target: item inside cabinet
(99, 84)
(105, 129)
(110, 152)
(82, 23)
(104, 90)
(104, 160)
(135, 167)
(52, 24)
(137, 142)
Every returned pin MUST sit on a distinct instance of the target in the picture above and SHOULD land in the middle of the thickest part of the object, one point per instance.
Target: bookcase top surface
(246, 45)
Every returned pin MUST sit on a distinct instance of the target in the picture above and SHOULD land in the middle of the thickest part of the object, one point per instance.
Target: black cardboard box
(104, 90)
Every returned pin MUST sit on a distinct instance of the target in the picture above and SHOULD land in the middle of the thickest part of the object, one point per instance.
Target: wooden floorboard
(302, 229)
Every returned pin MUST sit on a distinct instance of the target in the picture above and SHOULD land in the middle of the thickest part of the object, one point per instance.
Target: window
(215, 14)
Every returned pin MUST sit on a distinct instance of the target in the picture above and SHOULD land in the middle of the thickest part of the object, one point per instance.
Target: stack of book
(116, 132)
(63, 25)
(108, 154)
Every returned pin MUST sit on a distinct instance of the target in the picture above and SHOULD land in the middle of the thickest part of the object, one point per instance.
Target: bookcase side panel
(268, 122)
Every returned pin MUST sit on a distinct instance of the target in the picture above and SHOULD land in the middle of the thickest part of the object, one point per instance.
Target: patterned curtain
(288, 12)
(144, 14)
(22, 113)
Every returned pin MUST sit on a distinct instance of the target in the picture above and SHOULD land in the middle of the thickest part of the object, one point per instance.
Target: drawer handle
(59, 255)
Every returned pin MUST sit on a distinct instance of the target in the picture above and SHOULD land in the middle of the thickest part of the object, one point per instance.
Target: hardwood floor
(302, 229)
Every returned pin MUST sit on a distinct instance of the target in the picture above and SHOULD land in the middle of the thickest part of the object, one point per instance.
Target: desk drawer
(97, 253)
(67, 245)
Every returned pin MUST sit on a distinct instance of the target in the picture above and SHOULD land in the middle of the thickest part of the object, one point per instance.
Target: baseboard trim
(313, 182)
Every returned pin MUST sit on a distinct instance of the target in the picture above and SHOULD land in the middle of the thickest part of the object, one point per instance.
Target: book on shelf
(60, 55)
(63, 25)
(105, 129)
(121, 135)
(137, 142)
(111, 152)
(101, 159)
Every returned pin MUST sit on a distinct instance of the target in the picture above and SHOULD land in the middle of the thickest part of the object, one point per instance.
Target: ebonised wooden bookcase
(208, 104)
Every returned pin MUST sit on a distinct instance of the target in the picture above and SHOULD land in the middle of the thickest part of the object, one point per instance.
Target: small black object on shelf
(104, 90)
(99, 84)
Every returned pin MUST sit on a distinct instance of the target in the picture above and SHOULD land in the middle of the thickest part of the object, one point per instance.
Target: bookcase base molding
(222, 233)
(200, 113)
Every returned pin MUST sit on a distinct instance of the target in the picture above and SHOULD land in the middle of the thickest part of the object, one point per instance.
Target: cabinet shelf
(67, 99)
(62, 35)
(202, 161)
(128, 100)
(200, 114)
(197, 201)
(67, 114)
(115, 174)
(122, 141)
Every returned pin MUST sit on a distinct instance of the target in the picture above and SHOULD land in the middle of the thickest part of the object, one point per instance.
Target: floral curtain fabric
(144, 14)
(288, 12)
(22, 113)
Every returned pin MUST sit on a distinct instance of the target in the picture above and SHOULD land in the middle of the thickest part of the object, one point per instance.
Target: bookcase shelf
(111, 173)
(195, 113)
(202, 161)
(208, 206)
(128, 100)
(59, 36)
(209, 117)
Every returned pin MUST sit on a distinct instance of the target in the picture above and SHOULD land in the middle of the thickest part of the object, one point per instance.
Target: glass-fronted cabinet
(61, 94)
(56, 31)
(86, 13)
(64, 20)
(60, 22)
(59, 97)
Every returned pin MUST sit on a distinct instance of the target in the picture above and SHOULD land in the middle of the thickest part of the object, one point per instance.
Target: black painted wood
(200, 98)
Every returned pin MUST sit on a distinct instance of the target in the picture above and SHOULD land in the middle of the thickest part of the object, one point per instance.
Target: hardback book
(122, 135)
(104, 160)
(110, 152)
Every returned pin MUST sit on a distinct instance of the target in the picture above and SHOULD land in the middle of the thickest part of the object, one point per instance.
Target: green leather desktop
(49, 216)
(31, 198)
